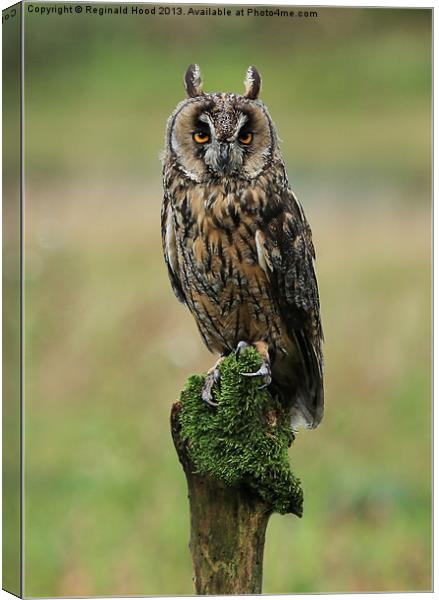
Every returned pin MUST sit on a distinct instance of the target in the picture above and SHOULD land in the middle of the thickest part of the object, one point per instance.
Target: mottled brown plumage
(236, 242)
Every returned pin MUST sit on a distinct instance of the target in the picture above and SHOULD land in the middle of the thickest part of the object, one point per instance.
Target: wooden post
(235, 458)
(227, 530)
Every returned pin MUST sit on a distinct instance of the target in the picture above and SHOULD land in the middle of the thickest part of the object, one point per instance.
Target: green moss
(245, 440)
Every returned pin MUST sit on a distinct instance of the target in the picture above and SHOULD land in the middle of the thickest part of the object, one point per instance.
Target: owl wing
(169, 245)
(289, 256)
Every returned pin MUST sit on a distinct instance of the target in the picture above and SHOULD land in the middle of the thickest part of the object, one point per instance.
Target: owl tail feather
(304, 414)
(309, 400)
(299, 385)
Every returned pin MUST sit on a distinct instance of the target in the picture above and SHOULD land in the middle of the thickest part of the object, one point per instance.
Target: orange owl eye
(246, 138)
(201, 138)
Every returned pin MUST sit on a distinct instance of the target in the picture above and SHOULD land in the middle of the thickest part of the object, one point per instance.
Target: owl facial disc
(221, 135)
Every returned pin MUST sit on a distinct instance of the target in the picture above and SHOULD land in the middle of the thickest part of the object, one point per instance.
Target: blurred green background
(108, 347)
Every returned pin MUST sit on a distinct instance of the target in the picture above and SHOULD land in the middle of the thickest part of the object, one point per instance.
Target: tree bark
(228, 527)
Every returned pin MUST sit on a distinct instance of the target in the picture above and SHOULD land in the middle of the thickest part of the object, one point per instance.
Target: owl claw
(264, 385)
(240, 348)
(213, 378)
(264, 372)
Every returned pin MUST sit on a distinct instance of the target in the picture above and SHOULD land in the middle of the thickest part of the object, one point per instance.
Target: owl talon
(240, 348)
(213, 378)
(264, 372)
(264, 385)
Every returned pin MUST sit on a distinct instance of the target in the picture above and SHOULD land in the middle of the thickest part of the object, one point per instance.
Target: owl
(237, 245)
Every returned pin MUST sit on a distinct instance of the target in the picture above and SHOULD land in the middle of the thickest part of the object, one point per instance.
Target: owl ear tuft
(252, 83)
(193, 82)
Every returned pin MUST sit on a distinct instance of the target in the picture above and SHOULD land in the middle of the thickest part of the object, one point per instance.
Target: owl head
(221, 135)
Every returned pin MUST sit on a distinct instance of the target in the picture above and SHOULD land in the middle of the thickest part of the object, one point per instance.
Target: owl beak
(224, 156)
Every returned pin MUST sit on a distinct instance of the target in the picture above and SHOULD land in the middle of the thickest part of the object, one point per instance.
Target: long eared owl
(237, 244)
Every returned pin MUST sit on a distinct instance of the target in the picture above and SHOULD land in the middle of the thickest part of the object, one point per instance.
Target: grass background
(108, 347)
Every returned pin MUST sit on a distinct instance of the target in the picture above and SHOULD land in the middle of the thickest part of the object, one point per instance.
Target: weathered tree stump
(235, 458)
(227, 531)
